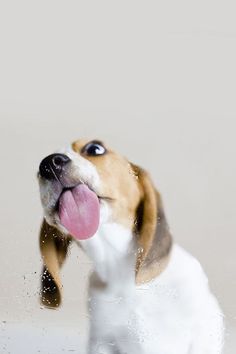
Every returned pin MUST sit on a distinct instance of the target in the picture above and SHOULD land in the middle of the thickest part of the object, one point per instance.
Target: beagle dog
(147, 295)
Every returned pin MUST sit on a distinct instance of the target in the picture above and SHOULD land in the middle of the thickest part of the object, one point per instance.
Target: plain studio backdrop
(157, 81)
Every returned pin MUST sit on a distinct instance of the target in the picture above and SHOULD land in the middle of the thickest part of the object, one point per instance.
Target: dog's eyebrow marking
(99, 142)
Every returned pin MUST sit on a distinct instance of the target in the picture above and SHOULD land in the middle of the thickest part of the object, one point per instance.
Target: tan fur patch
(147, 274)
(131, 189)
(152, 231)
(53, 247)
(118, 182)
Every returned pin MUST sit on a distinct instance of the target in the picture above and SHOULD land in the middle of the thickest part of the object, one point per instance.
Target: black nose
(52, 166)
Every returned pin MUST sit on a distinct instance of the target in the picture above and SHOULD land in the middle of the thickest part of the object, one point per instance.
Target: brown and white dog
(147, 295)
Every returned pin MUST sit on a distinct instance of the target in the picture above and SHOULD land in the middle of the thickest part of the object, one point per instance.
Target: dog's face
(86, 186)
(109, 185)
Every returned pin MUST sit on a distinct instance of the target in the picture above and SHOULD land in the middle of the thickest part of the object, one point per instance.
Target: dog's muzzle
(75, 204)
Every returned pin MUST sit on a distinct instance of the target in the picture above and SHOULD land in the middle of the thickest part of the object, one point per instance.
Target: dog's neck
(113, 252)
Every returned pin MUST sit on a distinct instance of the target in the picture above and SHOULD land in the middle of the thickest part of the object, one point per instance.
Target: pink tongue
(79, 212)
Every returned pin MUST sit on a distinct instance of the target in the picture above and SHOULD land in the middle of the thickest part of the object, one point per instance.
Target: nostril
(53, 164)
(59, 160)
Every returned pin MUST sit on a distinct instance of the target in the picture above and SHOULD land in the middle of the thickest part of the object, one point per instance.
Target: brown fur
(119, 183)
(53, 247)
(152, 231)
(135, 203)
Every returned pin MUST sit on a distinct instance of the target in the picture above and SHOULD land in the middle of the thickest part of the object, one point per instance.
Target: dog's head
(85, 186)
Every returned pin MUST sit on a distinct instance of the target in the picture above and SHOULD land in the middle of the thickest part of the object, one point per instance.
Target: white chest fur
(173, 314)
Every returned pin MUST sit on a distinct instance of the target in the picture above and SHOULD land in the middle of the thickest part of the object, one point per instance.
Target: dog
(147, 295)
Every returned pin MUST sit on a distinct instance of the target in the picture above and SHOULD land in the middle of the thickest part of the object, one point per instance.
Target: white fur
(82, 169)
(173, 314)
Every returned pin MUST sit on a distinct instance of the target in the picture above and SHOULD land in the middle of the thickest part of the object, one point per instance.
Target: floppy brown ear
(53, 247)
(153, 236)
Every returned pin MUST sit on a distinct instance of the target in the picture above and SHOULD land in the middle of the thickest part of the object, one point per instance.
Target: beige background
(156, 81)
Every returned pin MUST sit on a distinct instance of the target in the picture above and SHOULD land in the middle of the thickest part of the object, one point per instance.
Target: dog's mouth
(78, 209)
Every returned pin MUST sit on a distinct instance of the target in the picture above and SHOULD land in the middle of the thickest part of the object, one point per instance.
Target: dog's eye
(94, 149)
